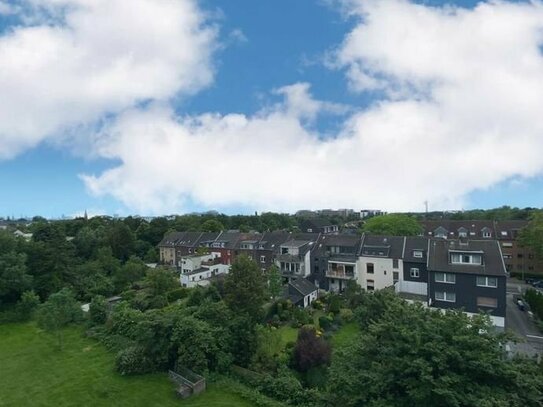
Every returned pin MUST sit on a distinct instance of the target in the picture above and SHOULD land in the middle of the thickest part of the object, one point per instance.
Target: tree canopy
(393, 224)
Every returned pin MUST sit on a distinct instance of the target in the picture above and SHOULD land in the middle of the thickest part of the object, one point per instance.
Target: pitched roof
(303, 286)
(439, 250)
(382, 246)
(412, 244)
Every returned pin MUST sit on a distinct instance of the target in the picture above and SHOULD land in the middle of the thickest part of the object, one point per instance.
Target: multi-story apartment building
(467, 274)
(380, 261)
(413, 281)
(517, 258)
(199, 269)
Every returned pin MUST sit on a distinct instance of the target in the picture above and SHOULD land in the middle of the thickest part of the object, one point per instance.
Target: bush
(317, 304)
(133, 361)
(98, 310)
(177, 294)
(325, 322)
(334, 303)
(346, 315)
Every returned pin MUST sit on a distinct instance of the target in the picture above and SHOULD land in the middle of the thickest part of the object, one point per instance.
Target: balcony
(341, 271)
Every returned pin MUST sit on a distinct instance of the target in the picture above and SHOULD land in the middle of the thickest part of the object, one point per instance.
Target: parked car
(538, 284)
(521, 305)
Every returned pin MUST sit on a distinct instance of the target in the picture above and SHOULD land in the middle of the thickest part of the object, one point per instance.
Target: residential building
(199, 269)
(293, 259)
(334, 261)
(318, 225)
(380, 261)
(469, 275)
(413, 279)
(301, 292)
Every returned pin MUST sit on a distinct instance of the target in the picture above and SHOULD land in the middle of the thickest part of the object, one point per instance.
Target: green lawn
(288, 334)
(34, 373)
(345, 335)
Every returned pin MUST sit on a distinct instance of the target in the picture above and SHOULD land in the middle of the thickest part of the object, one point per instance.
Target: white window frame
(418, 254)
(446, 278)
(445, 297)
(263, 259)
(487, 234)
(414, 272)
(486, 281)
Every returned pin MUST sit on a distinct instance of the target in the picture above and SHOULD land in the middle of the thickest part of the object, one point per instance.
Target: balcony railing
(339, 274)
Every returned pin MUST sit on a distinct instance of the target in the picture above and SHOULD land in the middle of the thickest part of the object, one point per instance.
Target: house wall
(423, 271)
(167, 255)
(467, 292)
(382, 276)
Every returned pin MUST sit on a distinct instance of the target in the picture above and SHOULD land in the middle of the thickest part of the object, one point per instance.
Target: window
(504, 233)
(395, 263)
(483, 281)
(520, 255)
(263, 259)
(445, 296)
(369, 268)
(371, 285)
(463, 233)
(507, 244)
(414, 272)
(284, 250)
(487, 234)
(464, 258)
(507, 256)
(487, 302)
(445, 278)
(417, 254)
(395, 276)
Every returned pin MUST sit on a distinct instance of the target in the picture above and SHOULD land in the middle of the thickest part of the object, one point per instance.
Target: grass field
(345, 335)
(33, 372)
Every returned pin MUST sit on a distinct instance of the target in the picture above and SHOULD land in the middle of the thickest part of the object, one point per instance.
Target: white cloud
(78, 60)
(463, 111)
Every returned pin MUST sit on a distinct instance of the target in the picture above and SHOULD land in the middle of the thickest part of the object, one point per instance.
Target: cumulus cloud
(462, 110)
(71, 62)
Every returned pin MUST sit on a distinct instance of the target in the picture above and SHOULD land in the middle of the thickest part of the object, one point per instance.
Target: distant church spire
(86, 217)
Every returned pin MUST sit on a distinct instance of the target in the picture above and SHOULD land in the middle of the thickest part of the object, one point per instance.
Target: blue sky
(263, 46)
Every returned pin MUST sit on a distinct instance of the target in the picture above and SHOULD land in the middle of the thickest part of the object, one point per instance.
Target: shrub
(317, 304)
(325, 322)
(177, 294)
(346, 315)
(98, 310)
(133, 361)
(310, 351)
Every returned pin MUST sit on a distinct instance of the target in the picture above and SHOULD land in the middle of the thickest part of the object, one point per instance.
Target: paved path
(520, 323)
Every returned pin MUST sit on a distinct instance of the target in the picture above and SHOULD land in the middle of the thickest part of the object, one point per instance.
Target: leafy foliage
(414, 356)
(245, 288)
(310, 351)
(394, 225)
(59, 310)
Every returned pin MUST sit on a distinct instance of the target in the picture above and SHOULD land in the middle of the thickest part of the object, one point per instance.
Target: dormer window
(466, 258)
(487, 234)
(504, 233)
(284, 250)
(418, 254)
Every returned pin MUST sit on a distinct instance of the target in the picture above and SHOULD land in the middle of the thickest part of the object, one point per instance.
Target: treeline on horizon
(152, 229)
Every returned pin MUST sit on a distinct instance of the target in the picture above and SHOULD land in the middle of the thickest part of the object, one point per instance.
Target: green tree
(532, 235)
(27, 305)
(160, 281)
(413, 356)
(275, 282)
(51, 259)
(245, 288)
(133, 270)
(201, 347)
(122, 241)
(98, 310)
(394, 225)
(212, 225)
(14, 279)
(310, 351)
(57, 312)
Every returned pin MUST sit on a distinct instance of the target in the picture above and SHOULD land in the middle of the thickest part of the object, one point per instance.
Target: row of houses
(516, 257)
(456, 272)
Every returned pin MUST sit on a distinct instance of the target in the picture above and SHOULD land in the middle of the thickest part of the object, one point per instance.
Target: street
(521, 324)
